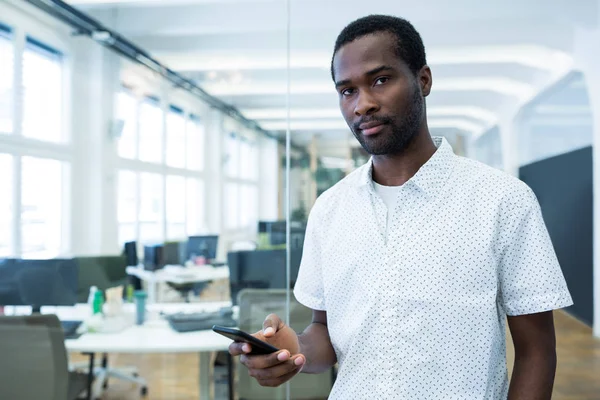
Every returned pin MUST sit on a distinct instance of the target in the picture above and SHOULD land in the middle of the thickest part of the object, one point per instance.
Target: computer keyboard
(189, 322)
(70, 328)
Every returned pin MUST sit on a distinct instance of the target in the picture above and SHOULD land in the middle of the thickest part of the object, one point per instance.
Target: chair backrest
(34, 362)
(255, 305)
(261, 269)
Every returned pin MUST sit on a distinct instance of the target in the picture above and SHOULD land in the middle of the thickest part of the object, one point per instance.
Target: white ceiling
(488, 57)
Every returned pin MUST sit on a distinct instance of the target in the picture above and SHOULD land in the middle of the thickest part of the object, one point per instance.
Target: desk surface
(181, 275)
(155, 336)
(152, 337)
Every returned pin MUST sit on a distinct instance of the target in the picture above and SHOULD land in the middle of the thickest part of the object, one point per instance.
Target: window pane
(127, 197)
(246, 160)
(41, 213)
(233, 160)
(232, 205)
(42, 93)
(6, 209)
(248, 206)
(150, 233)
(127, 233)
(175, 207)
(195, 144)
(151, 207)
(195, 220)
(127, 113)
(176, 232)
(151, 128)
(6, 82)
(176, 139)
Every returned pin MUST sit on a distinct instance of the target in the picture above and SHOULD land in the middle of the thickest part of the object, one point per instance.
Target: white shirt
(419, 312)
(389, 195)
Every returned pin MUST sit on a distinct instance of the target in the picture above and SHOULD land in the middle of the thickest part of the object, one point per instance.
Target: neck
(397, 169)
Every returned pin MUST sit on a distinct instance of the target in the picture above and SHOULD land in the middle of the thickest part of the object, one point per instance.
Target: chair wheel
(144, 391)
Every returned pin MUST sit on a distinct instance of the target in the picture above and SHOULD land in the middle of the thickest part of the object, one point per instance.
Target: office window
(6, 80)
(6, 201)
(195, 143)
(127, 205)
(176, 203)
(232, 194)
(41, 208)
(195, 220)
(151, 131)
(232, 144)
(151, 208)
(127, 113)
(42, 92)
(248, 160)
(248, 205)
(176, 146)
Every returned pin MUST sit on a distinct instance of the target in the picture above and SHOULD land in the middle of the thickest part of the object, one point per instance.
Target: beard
(404, 128)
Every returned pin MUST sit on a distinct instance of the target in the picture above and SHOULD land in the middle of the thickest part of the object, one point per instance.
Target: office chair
(34, 360)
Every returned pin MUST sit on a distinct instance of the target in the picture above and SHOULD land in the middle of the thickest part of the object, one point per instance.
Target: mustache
(365, 120)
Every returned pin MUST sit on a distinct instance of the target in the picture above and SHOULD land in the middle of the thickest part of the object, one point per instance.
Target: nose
(365, 104)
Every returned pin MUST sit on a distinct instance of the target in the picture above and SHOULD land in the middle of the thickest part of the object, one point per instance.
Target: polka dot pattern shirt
(416, 307)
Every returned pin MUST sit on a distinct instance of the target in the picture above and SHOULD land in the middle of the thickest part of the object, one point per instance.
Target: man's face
(380, 97)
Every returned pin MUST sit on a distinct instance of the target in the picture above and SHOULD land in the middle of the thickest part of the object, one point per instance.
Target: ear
(425, 80)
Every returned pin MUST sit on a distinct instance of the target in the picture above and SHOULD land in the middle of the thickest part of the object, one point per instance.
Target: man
(413, 262)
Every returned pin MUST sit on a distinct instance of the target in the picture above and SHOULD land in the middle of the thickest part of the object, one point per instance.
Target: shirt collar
(430, 177)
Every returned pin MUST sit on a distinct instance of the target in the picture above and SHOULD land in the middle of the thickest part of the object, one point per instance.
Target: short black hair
(409, 45)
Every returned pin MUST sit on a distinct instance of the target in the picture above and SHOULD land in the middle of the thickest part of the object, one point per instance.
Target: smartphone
(258, 346)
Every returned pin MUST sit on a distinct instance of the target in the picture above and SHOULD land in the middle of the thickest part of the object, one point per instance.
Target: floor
(175, 377)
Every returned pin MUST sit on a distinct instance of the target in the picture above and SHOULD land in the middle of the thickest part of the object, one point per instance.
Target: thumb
(272, 324)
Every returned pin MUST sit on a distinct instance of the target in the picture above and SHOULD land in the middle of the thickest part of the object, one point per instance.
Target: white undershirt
(389, 195)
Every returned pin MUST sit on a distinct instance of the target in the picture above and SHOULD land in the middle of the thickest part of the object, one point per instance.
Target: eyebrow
(368, 73)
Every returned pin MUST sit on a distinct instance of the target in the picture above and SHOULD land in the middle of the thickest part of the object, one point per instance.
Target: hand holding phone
(269, 368)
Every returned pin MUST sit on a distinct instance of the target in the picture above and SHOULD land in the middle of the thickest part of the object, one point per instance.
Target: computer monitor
(198, 246)
(276, 232)
(175, 253)
(38, 283)
(154, 257)
(130, 252)
(261, 269)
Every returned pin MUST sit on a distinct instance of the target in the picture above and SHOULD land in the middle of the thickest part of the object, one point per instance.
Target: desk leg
(90, 375)
(205, 378)
(152, 291)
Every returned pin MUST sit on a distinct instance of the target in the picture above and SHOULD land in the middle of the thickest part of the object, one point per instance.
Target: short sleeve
(309, 285)
(531, 280)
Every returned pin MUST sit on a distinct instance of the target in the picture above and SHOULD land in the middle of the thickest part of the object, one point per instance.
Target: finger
(280, 380)
(235, 349)
(272, 373)
(265, 361)
(271, 325)
(277, 371)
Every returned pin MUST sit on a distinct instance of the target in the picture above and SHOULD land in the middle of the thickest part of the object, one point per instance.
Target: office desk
(178, 275)
(155, 336)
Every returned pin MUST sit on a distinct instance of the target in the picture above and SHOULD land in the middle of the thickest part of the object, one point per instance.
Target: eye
(381, 80)
(347, 92)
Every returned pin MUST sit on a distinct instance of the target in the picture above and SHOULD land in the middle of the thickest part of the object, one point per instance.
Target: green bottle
(98, 302)
(129, 293)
